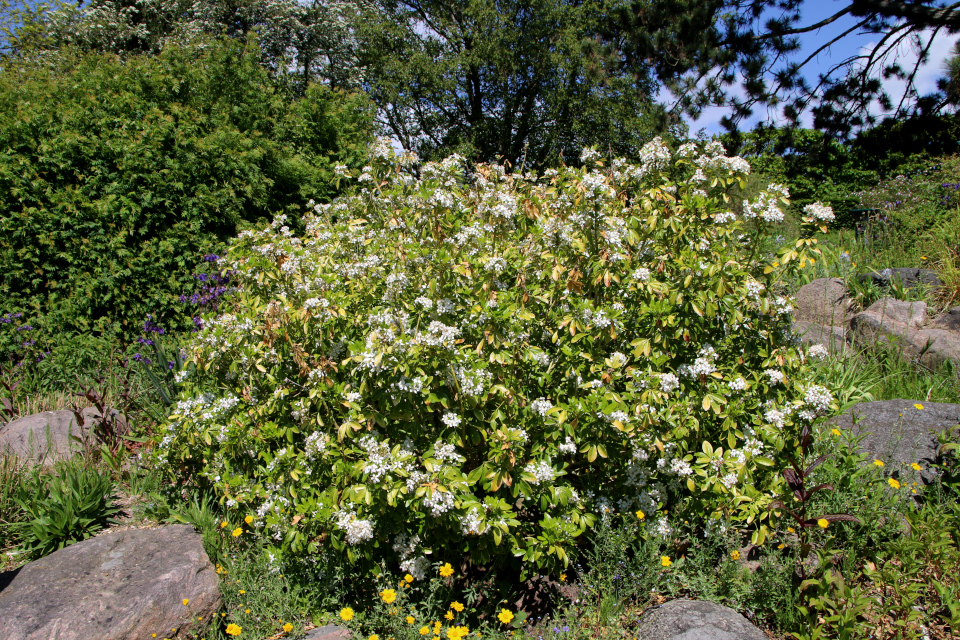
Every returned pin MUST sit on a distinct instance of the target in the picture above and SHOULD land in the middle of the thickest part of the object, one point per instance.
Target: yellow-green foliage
(480, 362)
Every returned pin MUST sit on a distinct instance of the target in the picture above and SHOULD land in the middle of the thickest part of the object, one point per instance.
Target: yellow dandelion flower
(446, 570)
(505, 616)
(915, 466)
(247, 611)
(878, 463)
(790, 530)
(408, 578)
(424, 631)
(448, 615)
(735, 555)
(248, 519)
(410, 620)
(186, 601)
(388, 595)
(456, 606)
(287, 627)
(835, 432)
(665, 561)
(233, 630)
(823, 523)
(641, 515)
(918, 406)
(780, 546)
(563, 577)
(224, 524)
(374, 637)
(893, 483)
(346, 614)
(237, 532)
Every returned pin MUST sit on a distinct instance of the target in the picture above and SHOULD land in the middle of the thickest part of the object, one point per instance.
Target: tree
(301, 41)
(707, 51)
(501, 79)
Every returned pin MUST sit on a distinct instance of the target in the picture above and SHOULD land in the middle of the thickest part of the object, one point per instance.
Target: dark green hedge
(117, 176)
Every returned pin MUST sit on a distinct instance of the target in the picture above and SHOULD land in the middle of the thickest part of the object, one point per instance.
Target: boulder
(948, 320)
(329, 632)
(811, 333)
(899, 433)
(695, 620)
(899, 323)
(128, 584)
(45, 437)
(906, 277)
(824, 301)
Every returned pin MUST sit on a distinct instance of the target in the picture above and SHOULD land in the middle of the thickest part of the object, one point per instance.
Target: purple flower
(140, 358)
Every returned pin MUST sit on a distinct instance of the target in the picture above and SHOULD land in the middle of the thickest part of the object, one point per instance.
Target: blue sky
(850, 45)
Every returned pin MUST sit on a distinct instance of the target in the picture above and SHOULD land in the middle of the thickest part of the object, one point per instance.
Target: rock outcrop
(118, 586)
(695, 620)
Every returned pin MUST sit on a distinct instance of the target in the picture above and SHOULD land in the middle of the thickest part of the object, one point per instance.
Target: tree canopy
(743, 54)
(501, 79)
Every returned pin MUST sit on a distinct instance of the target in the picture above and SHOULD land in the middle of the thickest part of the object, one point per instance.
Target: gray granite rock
(898, 433)
(118, 586)
(811, 333)
(948, 320)
(45, 437)
(824, 301)
(328, 632)
(695, 620)
(905, 276)
(903, 325)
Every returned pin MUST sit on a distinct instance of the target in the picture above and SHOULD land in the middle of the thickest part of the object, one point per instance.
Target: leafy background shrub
(117, 176)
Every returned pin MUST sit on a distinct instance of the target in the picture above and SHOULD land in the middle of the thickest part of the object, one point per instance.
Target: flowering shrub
(481, 362)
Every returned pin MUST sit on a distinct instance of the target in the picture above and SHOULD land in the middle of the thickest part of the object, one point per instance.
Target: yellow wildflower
(237, 532)
(790, 530)
(224, 524)
(822, 523)
(374, 637)
(735, 555)
(918, 406)
(457, 633)
(242, 592)
(878, 463)
(780, 546)
(665, 561)
(410, 620)
(408, 578)
(287, 627)
(248, 519)
(505, 616)
(448, 615)
(446, 570)
(835, 432)
(388, 595)
(186, 601)
(641, 515)
(456, 606)
(233, 630)
(563, 577)
(893, 483)
(915, 466)
(346, 614)
(424, 631)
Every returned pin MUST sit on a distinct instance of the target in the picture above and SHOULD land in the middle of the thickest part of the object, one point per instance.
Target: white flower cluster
(357, 530)
(818, 397)
(540, 406)
(767, 204)
(452, 420)
(568, 446)
(775, 375)
(668, 382)
(438, 502)
(818, 351)
(542, 471)
(819, 211)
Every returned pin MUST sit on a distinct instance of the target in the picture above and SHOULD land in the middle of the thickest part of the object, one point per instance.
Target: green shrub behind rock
(116, 176)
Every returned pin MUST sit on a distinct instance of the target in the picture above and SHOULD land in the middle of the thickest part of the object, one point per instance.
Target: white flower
(818, 397)
(439, 502)
(817, 351)
(540, 406)
(569, 446)
(738, 384)
(641, 274)
(352, 396)
(452, 420)
(819, 211)
(357, 530)
(668, 382)
(775, 376)
(542, 471)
